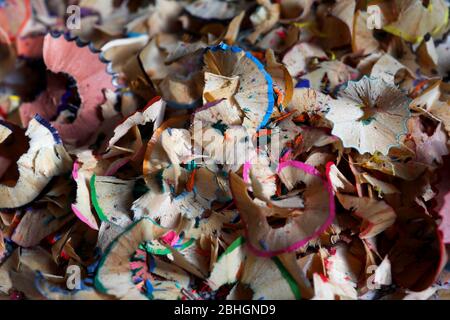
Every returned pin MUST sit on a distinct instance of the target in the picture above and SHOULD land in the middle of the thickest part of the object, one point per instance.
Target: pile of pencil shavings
(212, 150)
